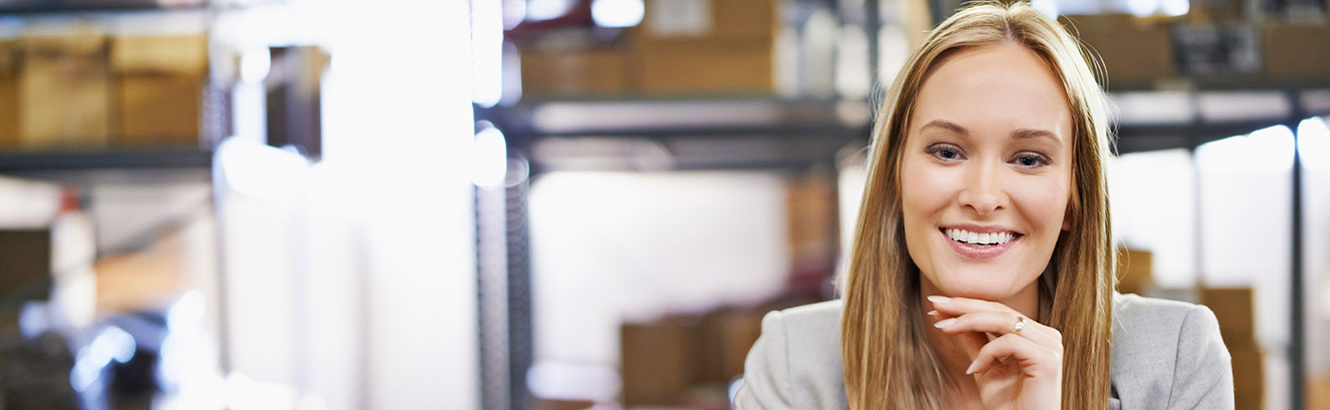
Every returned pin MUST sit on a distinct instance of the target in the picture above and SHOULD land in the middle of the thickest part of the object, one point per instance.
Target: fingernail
(932, 313)
(972, 367)
(944, 323)
(939, 300)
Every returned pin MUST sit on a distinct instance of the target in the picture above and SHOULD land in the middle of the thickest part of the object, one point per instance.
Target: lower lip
(987, 252)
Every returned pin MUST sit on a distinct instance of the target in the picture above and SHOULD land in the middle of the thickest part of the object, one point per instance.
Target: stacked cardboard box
(159, 88)
(64, 98)
(9, 109)
(1134, 272)
(1233, 308)
(1134, 51)
(705, 47)
(596, 71)
(665, 361)
(1296, 52)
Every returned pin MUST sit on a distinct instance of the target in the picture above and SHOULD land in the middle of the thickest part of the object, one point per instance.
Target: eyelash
(936, 151)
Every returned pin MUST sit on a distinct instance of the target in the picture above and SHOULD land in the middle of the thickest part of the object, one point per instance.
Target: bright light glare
(487, 52)
(1265, 150)
(261, 171)
(255, 64)
(537, 10)
(1314, 143)
(1048, 7)
(490, 156)
(617, 13)
(1176, 8)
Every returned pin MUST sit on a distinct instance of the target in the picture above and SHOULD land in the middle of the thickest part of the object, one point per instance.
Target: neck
(951, 352)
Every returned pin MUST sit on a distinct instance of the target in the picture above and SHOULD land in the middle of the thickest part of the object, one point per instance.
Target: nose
(983, 192)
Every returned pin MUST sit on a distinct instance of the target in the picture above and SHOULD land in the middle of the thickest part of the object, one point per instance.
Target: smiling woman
(985, 214)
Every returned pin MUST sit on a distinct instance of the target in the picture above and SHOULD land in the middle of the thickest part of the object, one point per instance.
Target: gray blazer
(1166, 355)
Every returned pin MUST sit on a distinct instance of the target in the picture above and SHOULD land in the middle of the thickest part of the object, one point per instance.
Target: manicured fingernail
(972, 368)
(932, 313)
(942, 324)
(939, 300)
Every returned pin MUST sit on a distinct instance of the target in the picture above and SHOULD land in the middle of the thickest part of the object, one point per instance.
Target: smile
(980, 242)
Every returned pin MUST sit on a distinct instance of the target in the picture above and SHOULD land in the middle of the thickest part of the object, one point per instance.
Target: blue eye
(1032, 161)
(945, 153)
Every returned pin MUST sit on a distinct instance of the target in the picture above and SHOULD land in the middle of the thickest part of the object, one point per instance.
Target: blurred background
(571, 204)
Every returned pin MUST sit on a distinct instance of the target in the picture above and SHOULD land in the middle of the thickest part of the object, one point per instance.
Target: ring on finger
(1020, 324)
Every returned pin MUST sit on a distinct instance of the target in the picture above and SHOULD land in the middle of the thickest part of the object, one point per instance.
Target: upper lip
(982, 229)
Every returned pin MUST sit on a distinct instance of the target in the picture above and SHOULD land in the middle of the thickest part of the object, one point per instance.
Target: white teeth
(996, 238)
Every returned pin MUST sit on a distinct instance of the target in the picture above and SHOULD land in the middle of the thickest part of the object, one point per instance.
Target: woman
(982, 267)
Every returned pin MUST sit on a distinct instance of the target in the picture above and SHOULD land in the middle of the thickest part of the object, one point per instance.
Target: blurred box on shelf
(64, 92)
(720, 67)
(25, 271)
(692, 47)
(656, 362)
(1215, 10)
(159, 88)
(1231, 50)
(1134, 52)
(594, 71)
(1248, 370)
(1318, 391)
(1134, 271)
(9, 109)
(1233, 308)
(708, 20)
(726, 337)
(1297, 51)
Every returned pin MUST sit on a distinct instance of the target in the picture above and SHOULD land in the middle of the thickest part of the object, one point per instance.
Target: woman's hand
(1014, 369)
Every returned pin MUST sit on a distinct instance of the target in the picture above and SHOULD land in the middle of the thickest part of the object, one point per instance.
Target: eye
(1032, 160)
(945, 152)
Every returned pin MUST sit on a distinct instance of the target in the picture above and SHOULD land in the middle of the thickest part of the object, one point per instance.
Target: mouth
(976, 242)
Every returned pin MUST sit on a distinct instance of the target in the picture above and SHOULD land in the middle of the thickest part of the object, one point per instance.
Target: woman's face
(986, 172)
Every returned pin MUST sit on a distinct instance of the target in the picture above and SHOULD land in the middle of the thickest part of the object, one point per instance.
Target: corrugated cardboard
(9, 103)
(573, 73)
(1134, 271)
(1132, 52)
(656, 362)
(158, 109)
(718, 67)
(160, 54)
(1297, 52)
(159, 88)
(64, 92)
(707, 20)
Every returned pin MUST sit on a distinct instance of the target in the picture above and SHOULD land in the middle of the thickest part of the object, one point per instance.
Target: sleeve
(766, 376)
(1203, 372)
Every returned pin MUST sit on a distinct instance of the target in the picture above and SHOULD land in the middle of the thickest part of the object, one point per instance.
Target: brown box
(1232, 306)
(159, 84)
(9, 107)
(656, 362)
(716, 67)
(587, 72)
(1296, 52)
(1134, 53)
(64, 92)
(1248, 370)
(1134, 271)
(708, 20)
(726, 337)
(1318, 391)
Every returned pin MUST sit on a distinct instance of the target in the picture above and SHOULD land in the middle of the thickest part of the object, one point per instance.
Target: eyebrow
(1023, 133)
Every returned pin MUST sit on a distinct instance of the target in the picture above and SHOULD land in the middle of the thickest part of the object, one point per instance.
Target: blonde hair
(888, 362)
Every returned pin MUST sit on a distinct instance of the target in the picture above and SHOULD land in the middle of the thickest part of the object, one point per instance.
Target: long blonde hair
(888, 362)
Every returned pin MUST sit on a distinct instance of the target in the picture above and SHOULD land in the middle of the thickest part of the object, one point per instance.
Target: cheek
(1044, 201)
(924, 189)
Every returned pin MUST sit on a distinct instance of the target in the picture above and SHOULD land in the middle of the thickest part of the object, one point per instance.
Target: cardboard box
(1318, 391)
(726, 337)
(708, 20)
(1134, 271)
(1296, 52)
(9, 102)
(573, 73)
(1248, 370)
(657, 362)
(718, 67)
(64, 92)
(1233, 307)
(25, 273)
(1134, 53)
(159, 84)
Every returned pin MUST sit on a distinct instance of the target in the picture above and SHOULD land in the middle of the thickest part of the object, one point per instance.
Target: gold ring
(1020, 324)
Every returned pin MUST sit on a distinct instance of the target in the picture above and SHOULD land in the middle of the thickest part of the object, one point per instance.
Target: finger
(1034, 360)
(999, 323)
(957, 305)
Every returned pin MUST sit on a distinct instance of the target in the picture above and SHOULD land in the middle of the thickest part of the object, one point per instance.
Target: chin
(974, 285)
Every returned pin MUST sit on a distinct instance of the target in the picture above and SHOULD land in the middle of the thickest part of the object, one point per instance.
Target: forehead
(995, 89)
